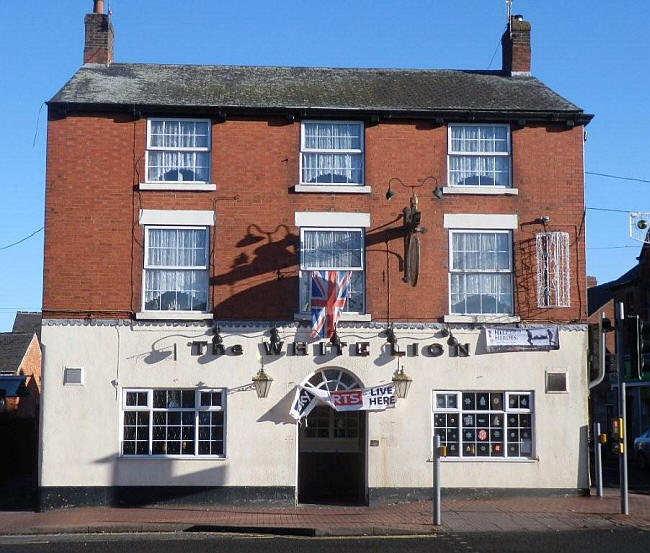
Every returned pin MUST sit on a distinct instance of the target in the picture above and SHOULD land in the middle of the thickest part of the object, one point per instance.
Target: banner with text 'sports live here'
(522, 339)
(376, 398)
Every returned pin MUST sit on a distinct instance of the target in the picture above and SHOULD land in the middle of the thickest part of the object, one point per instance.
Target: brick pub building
(187, 209)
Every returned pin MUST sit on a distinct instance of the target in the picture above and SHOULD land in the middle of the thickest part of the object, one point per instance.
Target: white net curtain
(479, 156)
(481, 277)
(176, 275)
(332, 153)
(178, 151)
(333, 250)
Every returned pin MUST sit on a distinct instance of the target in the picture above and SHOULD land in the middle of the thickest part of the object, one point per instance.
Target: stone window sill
(333, 188)
(363, 317)
(481, 319)
(173, 315)
(481, 190)
(178, 186)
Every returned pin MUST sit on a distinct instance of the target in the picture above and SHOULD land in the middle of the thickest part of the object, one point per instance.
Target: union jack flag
(329, 291)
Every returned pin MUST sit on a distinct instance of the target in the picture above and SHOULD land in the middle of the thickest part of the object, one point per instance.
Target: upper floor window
(479, 155)
(337, 249)
(178, 150)
(176, 269)
(480, 272)
(331, 152)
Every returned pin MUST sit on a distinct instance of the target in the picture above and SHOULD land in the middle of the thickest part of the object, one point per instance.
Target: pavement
(495, 514)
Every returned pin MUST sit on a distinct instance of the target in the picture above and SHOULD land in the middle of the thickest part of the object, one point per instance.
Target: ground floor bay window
(170, 422)
(493, 424)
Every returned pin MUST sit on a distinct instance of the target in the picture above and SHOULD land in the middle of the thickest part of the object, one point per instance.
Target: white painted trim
(331, 219)
(481, 190)
(333, 188)
(365, 317)
(173, 315)
(178, 186)
(480, 221)
(176, 217)
(481, 319)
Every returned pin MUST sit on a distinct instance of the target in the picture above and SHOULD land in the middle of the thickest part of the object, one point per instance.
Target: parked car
(642, 449)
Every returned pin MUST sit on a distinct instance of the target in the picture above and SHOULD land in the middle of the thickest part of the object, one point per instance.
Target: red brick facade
(94, 243)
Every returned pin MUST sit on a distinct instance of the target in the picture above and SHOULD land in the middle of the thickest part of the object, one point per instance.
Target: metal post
(598, 462)
(437, 520)
(620, 352)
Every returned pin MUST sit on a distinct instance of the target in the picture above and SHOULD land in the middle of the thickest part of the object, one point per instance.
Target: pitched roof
(312, 88)
(28, 321)
(598, 296)
(13, 347)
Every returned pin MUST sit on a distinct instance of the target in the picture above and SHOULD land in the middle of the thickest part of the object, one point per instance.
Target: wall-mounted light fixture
(402, 383)
(391, 337)
(262, 382)
(335, 340)
(217, 341)
(275, 335)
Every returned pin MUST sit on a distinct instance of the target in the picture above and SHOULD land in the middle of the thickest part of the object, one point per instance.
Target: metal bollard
(598, 461)
(437, 519)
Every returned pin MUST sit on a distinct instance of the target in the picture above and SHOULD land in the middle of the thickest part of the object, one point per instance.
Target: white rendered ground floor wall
(94, 450)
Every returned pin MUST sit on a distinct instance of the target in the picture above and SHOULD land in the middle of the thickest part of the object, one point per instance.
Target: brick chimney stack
(98, 47)
(515, 47)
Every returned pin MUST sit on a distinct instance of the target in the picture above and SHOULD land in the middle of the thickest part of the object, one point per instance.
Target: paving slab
(536, 514)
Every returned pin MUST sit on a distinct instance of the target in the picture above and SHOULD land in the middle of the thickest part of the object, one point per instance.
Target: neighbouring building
(632, 289)
(191, 209)
(20, 391)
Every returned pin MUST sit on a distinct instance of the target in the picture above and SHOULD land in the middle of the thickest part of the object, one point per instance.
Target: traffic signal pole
(620, 352)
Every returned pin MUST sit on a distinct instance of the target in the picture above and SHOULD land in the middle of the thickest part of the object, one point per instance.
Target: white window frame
(178, 184)
(362, 269)
(452, 271)
(506, 410)
(332, 187)
(479, 188)
(146, 267)
(151, 409)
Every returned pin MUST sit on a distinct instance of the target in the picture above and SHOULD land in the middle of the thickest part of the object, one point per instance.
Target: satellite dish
(639, 226)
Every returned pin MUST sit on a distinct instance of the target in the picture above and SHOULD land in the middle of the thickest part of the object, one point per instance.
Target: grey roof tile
(309, 88)
(13, 347)
(28, 321)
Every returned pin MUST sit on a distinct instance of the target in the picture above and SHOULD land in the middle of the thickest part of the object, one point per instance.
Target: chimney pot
(515, 47)
(98, 6)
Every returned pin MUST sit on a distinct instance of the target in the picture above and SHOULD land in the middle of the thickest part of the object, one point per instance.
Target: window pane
(484, 428)
(331, 249)
(473, 287)
(170, 290)
(176, 247)
(331, 168)
(486, 161)
(171, 157)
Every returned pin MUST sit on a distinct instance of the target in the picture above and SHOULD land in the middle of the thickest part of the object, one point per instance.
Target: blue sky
(592, 52)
